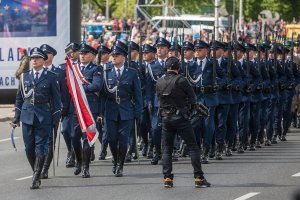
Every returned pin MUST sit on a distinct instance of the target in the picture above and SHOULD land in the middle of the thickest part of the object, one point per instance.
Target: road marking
(296, 175)
(109, 157)
(248, 196)
(8, 139)
(20, 179)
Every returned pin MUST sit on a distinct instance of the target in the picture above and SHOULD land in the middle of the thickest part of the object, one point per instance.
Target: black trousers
(177, 124)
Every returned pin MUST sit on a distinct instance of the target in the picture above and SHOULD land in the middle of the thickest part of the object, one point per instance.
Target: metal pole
(240, 14)
(217, 4)
(233, 15)
(75, 20)
(107, 10)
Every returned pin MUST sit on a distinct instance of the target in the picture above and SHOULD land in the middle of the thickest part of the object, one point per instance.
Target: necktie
(36, 76)
(119, 73)
(162, 63)
(200, 66)
(82, 68)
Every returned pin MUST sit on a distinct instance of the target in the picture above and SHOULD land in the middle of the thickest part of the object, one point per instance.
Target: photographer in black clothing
(177, 101)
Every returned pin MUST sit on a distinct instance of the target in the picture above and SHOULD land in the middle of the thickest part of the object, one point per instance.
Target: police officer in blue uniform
(93, 74)
(256, 94)
(72, 51)
(103, 52)
(149, 52)
(51, 52)
(156, 70)
(201, 77)
(123, 104)
(175, 49)
(38, 107)
(233, 78)
(274, 95)
(225, 99)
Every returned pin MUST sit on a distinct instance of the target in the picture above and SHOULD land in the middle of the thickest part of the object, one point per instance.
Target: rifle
(129, 47)
(292, 52)
(175, 40)
(141, 50)
(248, 90)
(234, 48)
(214, 61)
(182, 50)
(229, 63)
(283, 55)
(200, 34)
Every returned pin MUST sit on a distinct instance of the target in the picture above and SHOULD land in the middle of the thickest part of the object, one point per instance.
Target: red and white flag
(86, 121)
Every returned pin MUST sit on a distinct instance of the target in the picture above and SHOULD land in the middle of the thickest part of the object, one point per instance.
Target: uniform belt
(119, 100)
(36, 101)
(204, 89)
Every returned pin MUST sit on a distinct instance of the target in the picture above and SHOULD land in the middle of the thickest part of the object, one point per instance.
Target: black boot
(114, 153)
(86, 161)
(228, 151)
(47, 162)
(219, 152)
(70, 162)
(150, 152)
(78, 155)
(145, 150)
(122, 155)
(92, 157)
(205, 154)
(294, 119)
(212, 152)
(31, 160)
(128, 157)
(36, 178)
(274, 138)
(157, 155)
(241, 147)
(103, 151)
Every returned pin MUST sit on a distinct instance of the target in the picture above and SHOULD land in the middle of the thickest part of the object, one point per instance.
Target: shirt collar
(49, 68)
(40, 71)
(159, 60)
(121, 69)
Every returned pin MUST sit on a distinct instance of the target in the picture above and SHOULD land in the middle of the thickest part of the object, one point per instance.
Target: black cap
(217, 45)
(103, 49)
(239, 46)
(188, 46)
(200, 44)
(260, 47)
(118, 50)
(134, 46)
(87, 49)
(37, 52)
(48, 49)
(174, 47)
(148, 48)
(250, 47)
(227, 46)
(172, 63)
(72, 47)
(163, 42)
(122, 45)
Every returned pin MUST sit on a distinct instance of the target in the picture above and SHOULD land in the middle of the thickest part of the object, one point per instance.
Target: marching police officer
(94, 78)
(154, 71)
(38, 107)
(103, 52)
(72, 51)
(61, 75)
(176, 98)
(123, 104)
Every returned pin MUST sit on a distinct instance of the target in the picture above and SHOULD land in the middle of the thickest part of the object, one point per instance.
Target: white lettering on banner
(10, 54)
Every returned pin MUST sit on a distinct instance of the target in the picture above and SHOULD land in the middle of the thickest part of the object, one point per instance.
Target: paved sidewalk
(6, 112)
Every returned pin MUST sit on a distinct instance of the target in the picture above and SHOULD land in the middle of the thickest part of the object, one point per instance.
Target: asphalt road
(264, 174)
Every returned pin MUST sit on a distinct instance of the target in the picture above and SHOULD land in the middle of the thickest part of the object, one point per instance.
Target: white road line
(296, 175)
(247, 196)
(108, 157)
(8, 139)
(27, 177)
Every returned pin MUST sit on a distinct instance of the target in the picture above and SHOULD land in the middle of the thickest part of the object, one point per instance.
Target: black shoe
(150, 154)
(119, 171)
(258, 144)
(283, 138)
(36, 178)
(241, 149)
(175, 156)
(252, 147)
(204, 160)
(85, 173)
(155, 159)
(234, 148)
(268, 143)
(92, 155)
(77, 169)
(219, 156)
(128, 158)
(212, 155)
(201, 183)
(168, 183)
(274, 140)
(228, 152)
(114, 169)
(35, 183)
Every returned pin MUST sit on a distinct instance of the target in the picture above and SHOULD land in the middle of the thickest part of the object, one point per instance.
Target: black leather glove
(228, 87)
(259, 87)
(100, 119)
(15, 122)
(248, 88)
(236, 87)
